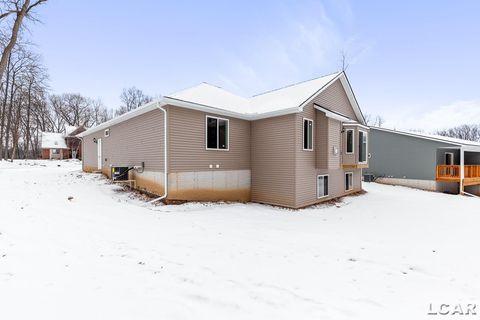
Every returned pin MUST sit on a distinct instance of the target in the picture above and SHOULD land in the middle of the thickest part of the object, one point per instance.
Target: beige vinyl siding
(321, 141)
(335, 99)
(334, 141)
(308, 165)
(186, 143)
(137, 140)
(273, 160)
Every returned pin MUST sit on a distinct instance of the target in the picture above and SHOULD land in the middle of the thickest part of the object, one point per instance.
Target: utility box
(119, 173)
(368, 177)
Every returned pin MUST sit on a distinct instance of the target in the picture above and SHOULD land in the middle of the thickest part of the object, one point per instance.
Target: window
(307, 134)
(106, 133)
(55, 151)
(350, 139)
(449, 158)
(362, 146)
(217, 133)
(348, 181)
(322, 186)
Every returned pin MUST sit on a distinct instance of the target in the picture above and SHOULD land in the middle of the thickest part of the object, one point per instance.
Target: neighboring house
(62, 146)
(293, 147)
(74, 143)
(425, 161)
(53, 146)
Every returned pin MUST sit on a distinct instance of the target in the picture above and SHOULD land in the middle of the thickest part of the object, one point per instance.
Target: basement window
(307, 134)
(217, 133)
(350, 139)
(348, 181)
(322, 186)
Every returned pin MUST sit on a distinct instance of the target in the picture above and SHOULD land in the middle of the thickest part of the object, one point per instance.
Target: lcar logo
(445, 309)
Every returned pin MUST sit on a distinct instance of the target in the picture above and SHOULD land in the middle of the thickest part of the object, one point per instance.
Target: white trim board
(166, 100)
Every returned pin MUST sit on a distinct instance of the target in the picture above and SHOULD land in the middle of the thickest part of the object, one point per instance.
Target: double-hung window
(217, 133)
(322, 186)
(350, 141)
(362, 146)
(348, 181)
(307, 134)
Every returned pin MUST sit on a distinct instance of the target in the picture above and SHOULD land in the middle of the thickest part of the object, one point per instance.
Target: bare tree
(343, 61)
(465, 132)
(374, 121)
(132, 98)
(20, 10)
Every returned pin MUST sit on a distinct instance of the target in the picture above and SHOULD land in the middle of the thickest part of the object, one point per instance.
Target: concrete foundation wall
(430, 185)
(228, 185)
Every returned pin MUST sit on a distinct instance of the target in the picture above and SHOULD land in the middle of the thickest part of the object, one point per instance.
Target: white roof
(69, 129)
(208, 98)
(434, 137)
(280, 99)
(53, 140)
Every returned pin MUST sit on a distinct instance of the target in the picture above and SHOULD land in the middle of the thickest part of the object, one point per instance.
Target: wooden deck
(451, 173)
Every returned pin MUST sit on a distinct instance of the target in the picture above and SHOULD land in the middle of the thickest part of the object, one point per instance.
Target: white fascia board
(313, 96)
(471, 148)
(355, 124)
(331, 114)
(272, 114)
(351, 98)
(124, 117)
(223, 112)
(416, 136)
(204, 108)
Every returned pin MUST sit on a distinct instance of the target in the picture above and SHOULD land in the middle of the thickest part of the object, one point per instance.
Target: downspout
(165, 176)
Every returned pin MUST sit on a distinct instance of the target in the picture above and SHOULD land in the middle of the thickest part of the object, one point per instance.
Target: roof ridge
(294, 84)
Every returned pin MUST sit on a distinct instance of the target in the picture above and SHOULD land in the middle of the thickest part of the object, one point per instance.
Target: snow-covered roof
(280, 99)
(434, 137)
(209, 98)
(69, 129)
(53, 140)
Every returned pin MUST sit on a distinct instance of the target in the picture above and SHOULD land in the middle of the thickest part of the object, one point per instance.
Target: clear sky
(415, 63)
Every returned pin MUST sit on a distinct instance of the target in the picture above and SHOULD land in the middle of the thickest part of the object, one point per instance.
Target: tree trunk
(4, 106)
(9, 117)
(13, 39)
(27, 125)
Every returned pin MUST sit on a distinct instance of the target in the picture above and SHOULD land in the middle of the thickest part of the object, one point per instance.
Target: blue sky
(415, 63)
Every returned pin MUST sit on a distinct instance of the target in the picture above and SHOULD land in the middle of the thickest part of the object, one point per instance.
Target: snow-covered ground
(387, 254)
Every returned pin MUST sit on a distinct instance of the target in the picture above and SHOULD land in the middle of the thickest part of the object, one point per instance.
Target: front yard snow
(71, 247)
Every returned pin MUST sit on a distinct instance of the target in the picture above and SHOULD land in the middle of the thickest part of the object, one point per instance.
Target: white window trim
(366, 147)
(328, 184)
(106, 132)
(346, 141)
(303, 134)
(445, 157)
(347, 173)
(218, 136)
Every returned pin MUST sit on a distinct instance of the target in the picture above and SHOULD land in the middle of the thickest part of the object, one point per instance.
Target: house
(62, 145)
(425, 161)
(74, 143)
(293, 147)
(53, 146)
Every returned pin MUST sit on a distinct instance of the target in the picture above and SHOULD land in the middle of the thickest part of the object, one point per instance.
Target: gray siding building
(424, 161)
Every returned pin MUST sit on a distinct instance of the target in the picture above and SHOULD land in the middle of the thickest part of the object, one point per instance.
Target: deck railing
(472, 171)
(453, 171)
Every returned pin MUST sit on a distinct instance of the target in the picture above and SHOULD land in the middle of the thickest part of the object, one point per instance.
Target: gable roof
(53, 140)
(209, 98)
(433, 137)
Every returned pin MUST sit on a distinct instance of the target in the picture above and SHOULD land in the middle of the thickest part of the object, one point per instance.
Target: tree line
(27, 106)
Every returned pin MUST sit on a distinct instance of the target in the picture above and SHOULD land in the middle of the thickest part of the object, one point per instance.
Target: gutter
(165, 149)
